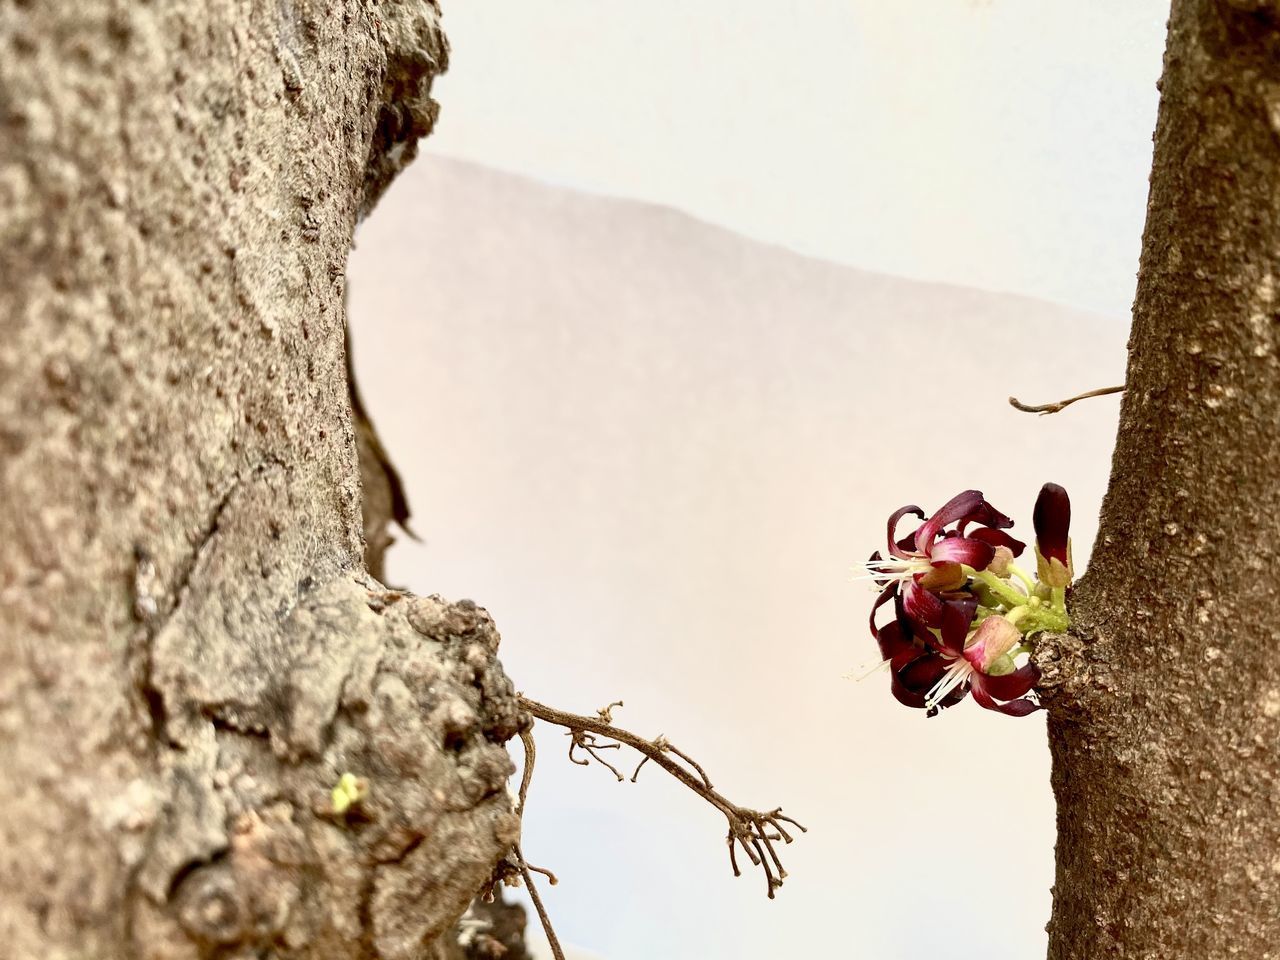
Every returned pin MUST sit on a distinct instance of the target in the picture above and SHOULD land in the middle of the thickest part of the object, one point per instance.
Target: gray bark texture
(1165, 700)
(192, 653)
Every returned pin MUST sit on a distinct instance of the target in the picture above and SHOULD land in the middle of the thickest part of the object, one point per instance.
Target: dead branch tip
(1046, 408)
(756, 832)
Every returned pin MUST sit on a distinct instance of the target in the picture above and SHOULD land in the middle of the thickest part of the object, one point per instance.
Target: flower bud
(990, 644)
(1001, 666)
(1052, 520)
(1001, 561)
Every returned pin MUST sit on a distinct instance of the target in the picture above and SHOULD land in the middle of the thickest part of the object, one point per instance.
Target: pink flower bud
(994, 638)
(1000, 563)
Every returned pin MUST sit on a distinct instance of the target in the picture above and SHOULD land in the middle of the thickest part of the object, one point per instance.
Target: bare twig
(526, 776)
(578, 740)
(753, 830)
(514, 863)
(687, 759)
(527, 872)
(551, 877)
(660, 742)
(1046, 408)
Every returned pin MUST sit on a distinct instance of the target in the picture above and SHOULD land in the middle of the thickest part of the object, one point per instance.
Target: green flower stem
(1021, 574)
(1008, 594)
(1045, 617)
(1059, 599)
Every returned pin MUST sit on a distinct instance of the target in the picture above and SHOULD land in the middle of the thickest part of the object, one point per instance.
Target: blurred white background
(654, 449)
(1002, 144)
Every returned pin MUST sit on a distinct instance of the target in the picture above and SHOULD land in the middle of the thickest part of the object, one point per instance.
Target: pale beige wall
(654, 450)
(1002, 144)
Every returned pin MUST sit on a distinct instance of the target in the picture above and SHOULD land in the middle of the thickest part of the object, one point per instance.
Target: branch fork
(755, 831)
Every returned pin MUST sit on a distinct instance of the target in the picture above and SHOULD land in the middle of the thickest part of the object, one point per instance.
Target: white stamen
(894, 568)
(861, 673)
(957, 673)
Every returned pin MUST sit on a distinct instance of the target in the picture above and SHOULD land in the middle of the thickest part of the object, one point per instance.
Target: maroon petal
(906, 656)
(984, 514)
(894, 643)
(914, 677)
(997, 538)
(921, 674)
(922, 608)
(907, 544)
(958, 506)
(1014, 708)
(957, 615)
(1052, 520)
(900, 614)
(975, 553)
(908, 698)
(1011, 686)
(895, 547)
(886, 594)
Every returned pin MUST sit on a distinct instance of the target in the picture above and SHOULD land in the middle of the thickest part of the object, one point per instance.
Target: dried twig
(526, 871)
(580, 740)
(514, 867)
(754, 830)
(526, 776)
(1046, 408)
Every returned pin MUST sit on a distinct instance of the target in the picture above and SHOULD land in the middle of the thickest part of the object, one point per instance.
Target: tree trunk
(193, 652)
(1165, 701)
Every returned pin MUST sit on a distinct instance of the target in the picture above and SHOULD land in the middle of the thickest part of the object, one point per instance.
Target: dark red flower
(929, 564)
(965, 615)
(915, 666)
(939, 670)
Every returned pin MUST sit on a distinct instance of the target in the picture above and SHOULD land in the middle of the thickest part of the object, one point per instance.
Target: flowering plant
(965, 615)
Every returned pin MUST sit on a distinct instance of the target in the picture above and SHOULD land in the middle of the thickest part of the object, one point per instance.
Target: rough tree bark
(192, 651)
(1165, 701)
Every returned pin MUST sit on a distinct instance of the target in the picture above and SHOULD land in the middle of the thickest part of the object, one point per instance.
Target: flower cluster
(965, 615)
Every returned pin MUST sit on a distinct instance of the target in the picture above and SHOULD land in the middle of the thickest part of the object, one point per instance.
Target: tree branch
(527, 872)
(526, 776)
(512, 868)
(1046, 408)
(754, 830)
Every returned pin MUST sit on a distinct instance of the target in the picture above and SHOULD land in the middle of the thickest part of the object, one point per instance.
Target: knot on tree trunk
(1075, 670)
(333, 780)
